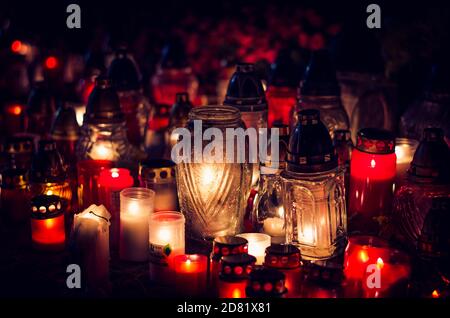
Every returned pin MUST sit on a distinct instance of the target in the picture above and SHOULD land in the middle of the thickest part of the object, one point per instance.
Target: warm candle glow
(257, 243)
(435, 294)
(102, 151)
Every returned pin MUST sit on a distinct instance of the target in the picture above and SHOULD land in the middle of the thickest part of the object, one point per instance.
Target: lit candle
(90, 236)
(136, 206)
(103, 150)
(235, 270)
(14, 118)
(404, 150)
(79, 113)
(191, 274)
(47, 223)
(257, 244)
(363, 251)
(88, 172)
(110, 183)
(274, 226)
(166, 240)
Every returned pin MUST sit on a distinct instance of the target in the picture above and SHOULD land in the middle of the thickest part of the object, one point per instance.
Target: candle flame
(114, 173)
(363, 256)
(207, 176)
(380, 263)
(308, 234)
(100, 151)
(49, 192)
(164, 235)
(435, 294)
(133, 208)
(372, 163)
(15, 110)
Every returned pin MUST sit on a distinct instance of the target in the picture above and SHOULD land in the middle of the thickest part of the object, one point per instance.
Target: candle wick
(99, 216)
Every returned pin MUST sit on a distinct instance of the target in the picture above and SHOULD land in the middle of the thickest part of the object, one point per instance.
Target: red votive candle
(363, 251)
(47, 223)
(110, 183)
(191, 274)
(234, 274)
(88, 172)
(372, 175)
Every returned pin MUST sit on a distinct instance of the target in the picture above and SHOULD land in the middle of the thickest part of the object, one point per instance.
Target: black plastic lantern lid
(157, 170)
(284, 256)
(236, 267)
(375, 141)
(123, 72)
(65, 125)
(46, 207)
(103, 106)
(266, 282)
(47, 165)
(320, 76)
(310, 147)
(14, 179)
(174, 55)
(431, 159)
(245, 90)
(229, 245)
(41, 100)
(285, 71)
(180, 110)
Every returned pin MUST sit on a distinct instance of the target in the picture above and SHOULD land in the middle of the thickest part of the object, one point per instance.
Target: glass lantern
(179, 115)
(428, 178)
(432, 110)
(268, 215)
(320, 90)
(41, 108)
(104, 134)
(125, 77)
(212, 195)
(314, 193)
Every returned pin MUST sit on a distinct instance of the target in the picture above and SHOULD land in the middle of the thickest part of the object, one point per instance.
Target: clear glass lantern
(179, 115)
(125, 77)
(314, 193)
(103, 135)
(268, 215)
(432, 110)
(212, 195)
(320, 90)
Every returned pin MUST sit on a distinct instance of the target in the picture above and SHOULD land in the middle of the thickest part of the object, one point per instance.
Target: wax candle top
(115, 178)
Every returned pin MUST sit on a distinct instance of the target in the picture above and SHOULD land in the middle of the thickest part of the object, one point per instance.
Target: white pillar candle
(90, 236)
(136, 205)
(166, 237)
(257, 244)
(404, 150)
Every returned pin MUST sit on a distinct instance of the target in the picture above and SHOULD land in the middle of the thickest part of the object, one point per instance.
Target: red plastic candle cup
(110, 183)
(88, 173)
(234, 274)
(281, 101)
(47, 223)
(372, 175)
(229, 289)
(362, 256)
(191, 274)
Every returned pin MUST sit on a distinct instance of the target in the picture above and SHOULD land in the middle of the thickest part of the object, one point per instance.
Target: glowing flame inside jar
(102, 151)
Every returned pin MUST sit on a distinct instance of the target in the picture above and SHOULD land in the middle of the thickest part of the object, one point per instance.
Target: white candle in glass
(136, 205)
(167, 236)
(257, 244)
(404, 150)
(90, 235)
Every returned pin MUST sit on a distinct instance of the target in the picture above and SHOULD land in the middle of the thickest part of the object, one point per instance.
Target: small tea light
(257, 244)
(136, 206)
(266, 282)
(191, 274)
(404, 150)
(166, 237)
(47, 223)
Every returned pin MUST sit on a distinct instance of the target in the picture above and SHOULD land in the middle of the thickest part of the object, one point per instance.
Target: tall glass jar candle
(372, 175)
(314, 194)
(404, 150)
(212, 195)
(136, 205)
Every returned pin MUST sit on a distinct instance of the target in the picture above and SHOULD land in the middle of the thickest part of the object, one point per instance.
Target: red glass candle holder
(14, 195)
(47, 223)
(234, 274)
(281, 101)
(372, 175)
(110, 183)
(88, 172)
(191, 274)
(266, 282)
(363, 251)
(14, 118)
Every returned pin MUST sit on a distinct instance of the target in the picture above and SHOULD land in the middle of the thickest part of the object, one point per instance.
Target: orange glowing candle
(191, 274)
(47, 223)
